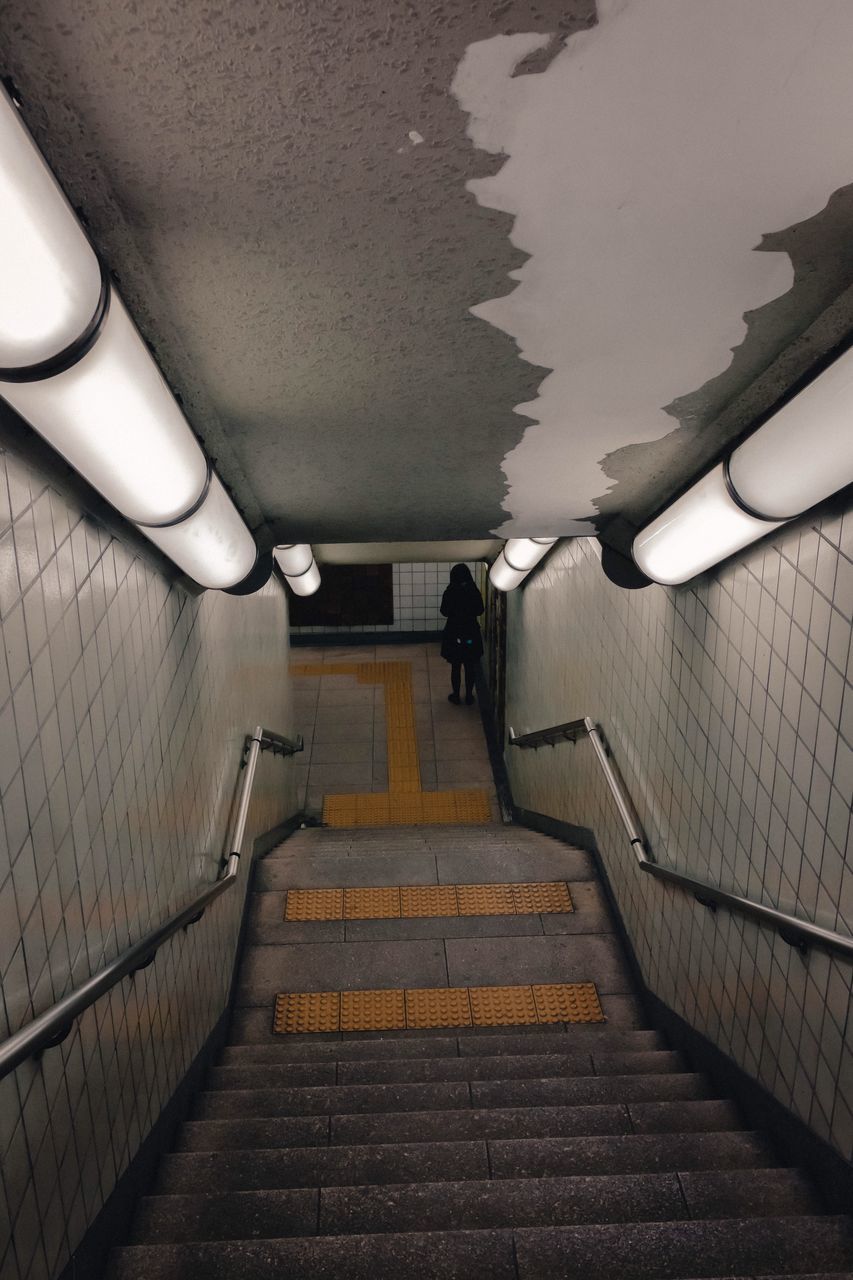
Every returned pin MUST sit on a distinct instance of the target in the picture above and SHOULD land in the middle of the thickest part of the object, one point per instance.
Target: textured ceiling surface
(281, 188)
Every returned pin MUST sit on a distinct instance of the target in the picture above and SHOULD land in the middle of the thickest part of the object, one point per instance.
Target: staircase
(560, 1150)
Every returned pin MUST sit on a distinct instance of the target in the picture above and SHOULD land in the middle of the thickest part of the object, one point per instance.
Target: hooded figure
(461, 642)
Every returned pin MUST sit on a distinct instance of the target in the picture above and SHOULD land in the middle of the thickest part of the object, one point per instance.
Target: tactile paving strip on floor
(412, 901)
(404, 804)
(397, 1008)
(382, 809)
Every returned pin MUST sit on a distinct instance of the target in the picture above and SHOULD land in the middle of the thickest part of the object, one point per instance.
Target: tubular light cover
(112, 416)
(804, 452)
(294, 558)
(50, 273)
(306, 583)
(525, 553)
(699, 529)
(213, 545)
(505, 578)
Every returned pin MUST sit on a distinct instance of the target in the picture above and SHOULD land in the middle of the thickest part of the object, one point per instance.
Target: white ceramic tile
(134, 708)
(724, 717)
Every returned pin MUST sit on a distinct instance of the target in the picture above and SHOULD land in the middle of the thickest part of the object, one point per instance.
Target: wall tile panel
(729, 708)
(123, 707)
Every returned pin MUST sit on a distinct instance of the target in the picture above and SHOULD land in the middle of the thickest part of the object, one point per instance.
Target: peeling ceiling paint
(284, 188)
(644, 166)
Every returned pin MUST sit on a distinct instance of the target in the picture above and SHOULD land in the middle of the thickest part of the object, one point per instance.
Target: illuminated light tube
(517, 558)
(213, 545)
(294, 558)
(52, 286)
(803, 453)
(113, 417)
(702, 527)
(299, 567)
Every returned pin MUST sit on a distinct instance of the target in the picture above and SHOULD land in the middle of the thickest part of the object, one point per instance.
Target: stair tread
(665, 1250)
(426, 1070)
(447, 1095)
(418, 1126)
(499, 1158)
(629, 1251)
(441, 1046)
(472, 1205)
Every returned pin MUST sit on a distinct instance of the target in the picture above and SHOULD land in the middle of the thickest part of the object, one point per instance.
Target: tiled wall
(123, 706)
(418, 589)
(729, 708)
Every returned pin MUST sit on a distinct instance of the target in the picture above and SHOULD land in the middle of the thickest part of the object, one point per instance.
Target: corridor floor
(344, 726)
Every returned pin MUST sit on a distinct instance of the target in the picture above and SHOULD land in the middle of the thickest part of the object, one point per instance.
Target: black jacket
(461, 605)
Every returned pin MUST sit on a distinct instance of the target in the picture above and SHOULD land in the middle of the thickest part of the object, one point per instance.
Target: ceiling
(444, 270)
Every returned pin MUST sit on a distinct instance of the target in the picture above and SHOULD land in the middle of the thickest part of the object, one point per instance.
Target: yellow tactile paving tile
(372, 904)
(485, 900)
(502, 1006)
(567, 1002)
(428, 900)
(381, 808)
(418, 1007)
(312, 1011)
(373, 1010)
(314, 904)
(438, 1007)
(545, 898)
(407, 901)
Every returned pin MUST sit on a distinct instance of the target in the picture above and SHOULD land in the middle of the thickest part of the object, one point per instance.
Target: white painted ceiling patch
(643, 167)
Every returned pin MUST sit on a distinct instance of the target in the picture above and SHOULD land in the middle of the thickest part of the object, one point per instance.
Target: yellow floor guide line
(404, 804)
(297, 1012)
(411, 901)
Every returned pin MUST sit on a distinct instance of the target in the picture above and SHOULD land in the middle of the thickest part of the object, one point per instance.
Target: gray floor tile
(339, 966)
(580, 958)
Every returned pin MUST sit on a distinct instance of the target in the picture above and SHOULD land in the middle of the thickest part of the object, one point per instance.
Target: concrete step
(449, 1095)
(635, 1251)
(434, 1126)
(552, 1201)
(468, 865)
(251, 1024)
(445, 1206)
(424, 1070)
(454, 1255)
(537, 1122)
(636, 1153)
(606, 1040)
(665, 1250)
(197, 1172)
(211, 1172)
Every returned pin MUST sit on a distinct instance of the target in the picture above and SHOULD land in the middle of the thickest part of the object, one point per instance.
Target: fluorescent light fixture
(212, 546)
(525, 553)
(114, 418)
(51, 276)
(518, 557)
(503, 577)
(699, 529)
(294, 558)
(804, 452)
(306, 583)
(297, 563)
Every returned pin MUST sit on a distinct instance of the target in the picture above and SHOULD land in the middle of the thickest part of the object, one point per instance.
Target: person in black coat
(461, 642)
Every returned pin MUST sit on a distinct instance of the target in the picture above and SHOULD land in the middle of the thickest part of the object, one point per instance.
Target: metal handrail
(51, 1027)
(797, 933)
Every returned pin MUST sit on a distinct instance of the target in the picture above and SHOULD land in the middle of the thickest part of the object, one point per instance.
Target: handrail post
(627, 812)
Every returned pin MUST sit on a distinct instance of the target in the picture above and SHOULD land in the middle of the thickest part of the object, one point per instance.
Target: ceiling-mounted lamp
(297, 563)
(797, 458)
(517, 558)
(74, 366)
(53, 287)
